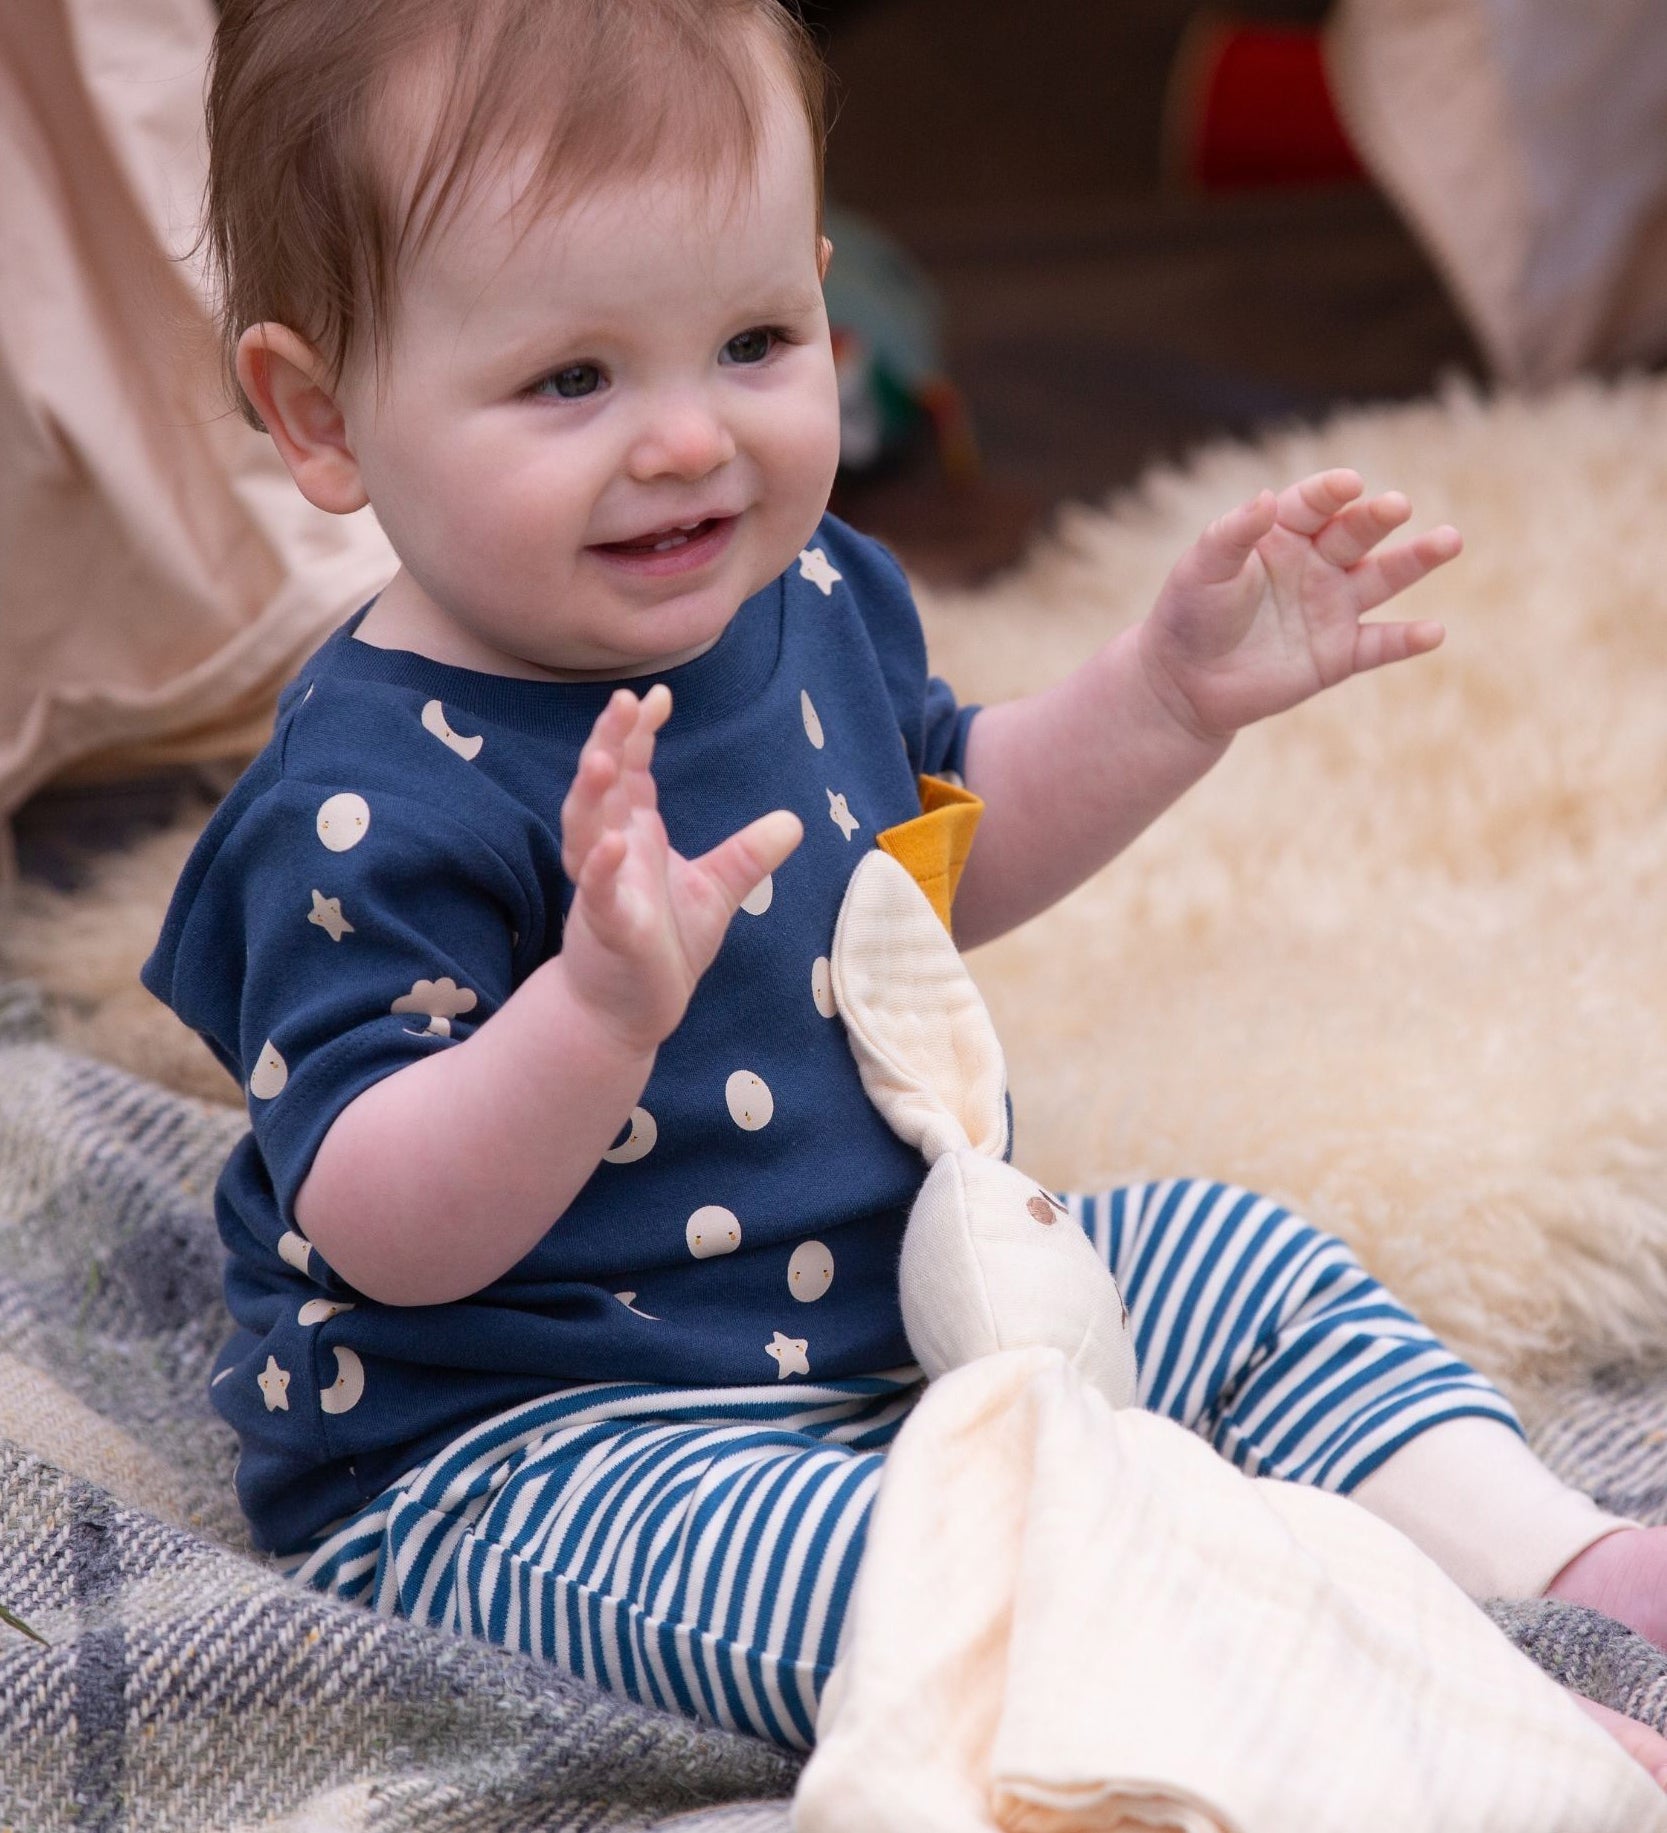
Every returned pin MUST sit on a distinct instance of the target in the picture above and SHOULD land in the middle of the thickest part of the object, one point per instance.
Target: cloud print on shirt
(440, 1001)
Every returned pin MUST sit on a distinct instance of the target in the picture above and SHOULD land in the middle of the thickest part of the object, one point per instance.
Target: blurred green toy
(888, 354)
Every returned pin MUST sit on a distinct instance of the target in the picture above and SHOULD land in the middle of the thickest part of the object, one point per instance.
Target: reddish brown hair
(310, 208)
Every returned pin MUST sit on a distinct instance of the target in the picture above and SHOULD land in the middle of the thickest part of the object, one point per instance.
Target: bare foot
(1638, 1741)
(1625, 1576)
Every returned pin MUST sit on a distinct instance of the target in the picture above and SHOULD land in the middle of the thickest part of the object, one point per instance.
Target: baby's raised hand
(645, 922)
(1265, 608)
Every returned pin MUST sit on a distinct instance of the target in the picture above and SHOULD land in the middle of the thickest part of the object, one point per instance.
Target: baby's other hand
(1265, 609)
(645, 922)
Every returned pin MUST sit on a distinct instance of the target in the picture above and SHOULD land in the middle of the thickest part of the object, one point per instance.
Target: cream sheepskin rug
(1400, 961)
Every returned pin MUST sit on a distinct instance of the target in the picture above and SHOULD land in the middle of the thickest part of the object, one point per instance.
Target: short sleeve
(336, 935)
(934, 725)
(944, 727)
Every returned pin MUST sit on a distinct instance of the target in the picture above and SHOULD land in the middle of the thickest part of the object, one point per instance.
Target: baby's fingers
(1378, 579)
(1352, 533)
(637, 750)
(595, 799)
(737, 865)
(1376, 644)
(613, 909)
(1307, 506)
(1220, 552)
(585, 809)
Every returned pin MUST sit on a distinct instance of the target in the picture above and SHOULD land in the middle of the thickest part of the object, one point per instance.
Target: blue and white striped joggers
(695, 1548)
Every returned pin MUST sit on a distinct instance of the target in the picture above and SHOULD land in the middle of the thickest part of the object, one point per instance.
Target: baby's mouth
(665, 540)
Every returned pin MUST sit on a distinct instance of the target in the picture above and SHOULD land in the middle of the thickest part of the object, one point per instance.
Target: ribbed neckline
(734, 671)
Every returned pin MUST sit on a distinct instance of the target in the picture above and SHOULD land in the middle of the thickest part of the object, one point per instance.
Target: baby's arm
(440, 1177)
(1261, 613)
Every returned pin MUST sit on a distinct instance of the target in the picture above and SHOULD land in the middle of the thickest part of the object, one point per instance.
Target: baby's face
(595, 441)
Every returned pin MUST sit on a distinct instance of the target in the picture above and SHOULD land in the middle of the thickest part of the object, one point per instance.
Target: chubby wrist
(1149, 693)
(587, 1026)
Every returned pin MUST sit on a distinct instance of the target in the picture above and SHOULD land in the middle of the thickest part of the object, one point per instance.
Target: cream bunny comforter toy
(1073, 1615)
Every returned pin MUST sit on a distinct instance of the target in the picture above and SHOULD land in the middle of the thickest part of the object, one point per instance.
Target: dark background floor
(1095, 319)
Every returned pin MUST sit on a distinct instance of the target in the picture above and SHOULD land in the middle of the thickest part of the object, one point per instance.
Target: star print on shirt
(274, 1385)
(327, 914)
(788, 1354)
(815, 566)
(840, 815)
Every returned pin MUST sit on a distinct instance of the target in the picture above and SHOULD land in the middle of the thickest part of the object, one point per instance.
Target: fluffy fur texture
(1400, 960)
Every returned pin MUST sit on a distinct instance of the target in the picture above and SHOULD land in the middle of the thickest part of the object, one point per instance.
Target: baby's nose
(681, 438)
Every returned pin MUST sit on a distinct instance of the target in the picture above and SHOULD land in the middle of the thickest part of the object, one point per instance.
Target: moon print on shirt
(821, 986)
(638, 1141)
(348, 1389)
(274, 1386)
(271, 1072)
(815, 566)
(628, 1300)
(788, 1354)
(296, 1251)
(441, 1000)
(809, 1272)
(712, 1230)
(343, 821)
(327, 914)
(749, 1100)
(320, 1310)
(813, 725)
(757, 900)
(840, 815)
(434, 720)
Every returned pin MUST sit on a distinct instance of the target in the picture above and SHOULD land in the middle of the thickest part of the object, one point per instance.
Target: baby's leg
(692, 1550)
(1270, 1339)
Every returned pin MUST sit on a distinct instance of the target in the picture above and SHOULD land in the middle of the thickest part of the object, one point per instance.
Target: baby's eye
(572, 383)
(751, 346)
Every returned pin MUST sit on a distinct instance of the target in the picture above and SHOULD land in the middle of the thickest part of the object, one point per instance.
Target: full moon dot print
(810, 1271)
(750, 1102)
(713, 1230)
(343, 821)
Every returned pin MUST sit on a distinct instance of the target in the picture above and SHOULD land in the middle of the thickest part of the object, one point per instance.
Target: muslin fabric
(1072, 1619)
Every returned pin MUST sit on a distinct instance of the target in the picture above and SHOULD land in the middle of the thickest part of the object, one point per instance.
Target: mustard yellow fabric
(933, 847)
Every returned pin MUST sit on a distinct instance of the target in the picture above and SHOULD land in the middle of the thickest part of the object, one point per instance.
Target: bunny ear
(926, 1049)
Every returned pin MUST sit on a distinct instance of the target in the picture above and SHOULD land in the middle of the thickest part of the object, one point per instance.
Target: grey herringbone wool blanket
(184, 1686)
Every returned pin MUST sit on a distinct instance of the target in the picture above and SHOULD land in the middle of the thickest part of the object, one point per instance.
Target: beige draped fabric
(1525, 141)
(160, 575)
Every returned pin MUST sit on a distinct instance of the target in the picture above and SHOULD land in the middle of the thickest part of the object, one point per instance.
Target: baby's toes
(1639, 1742)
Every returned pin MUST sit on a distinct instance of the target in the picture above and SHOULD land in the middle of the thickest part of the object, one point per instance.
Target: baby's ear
(824, 254)
(288, 385)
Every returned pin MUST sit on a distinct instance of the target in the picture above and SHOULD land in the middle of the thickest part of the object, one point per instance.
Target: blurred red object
(1249, 106)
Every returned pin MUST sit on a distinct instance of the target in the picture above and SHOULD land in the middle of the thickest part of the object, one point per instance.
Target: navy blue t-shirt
(384, 876)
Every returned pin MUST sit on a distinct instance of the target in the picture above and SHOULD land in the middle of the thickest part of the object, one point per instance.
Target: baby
(563, 1245)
